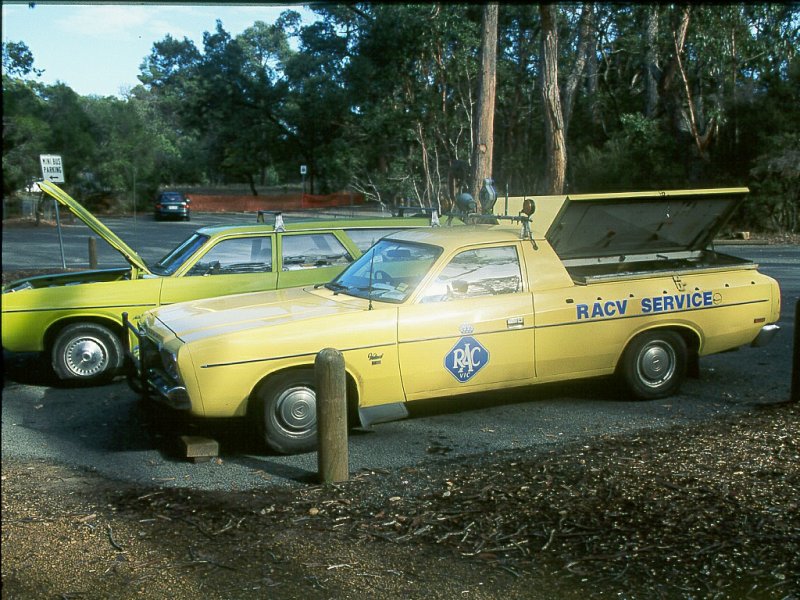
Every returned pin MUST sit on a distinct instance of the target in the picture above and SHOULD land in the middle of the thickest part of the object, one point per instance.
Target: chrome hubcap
(656, 364)
(296, 410)
(86, 357)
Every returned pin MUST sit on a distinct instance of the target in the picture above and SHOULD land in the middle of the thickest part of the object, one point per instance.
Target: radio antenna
(371, 264)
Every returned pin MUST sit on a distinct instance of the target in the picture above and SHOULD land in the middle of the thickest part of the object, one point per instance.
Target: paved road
(38, 247)
(106, 429)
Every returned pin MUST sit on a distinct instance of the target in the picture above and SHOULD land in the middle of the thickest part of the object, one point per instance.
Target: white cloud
(105, 21)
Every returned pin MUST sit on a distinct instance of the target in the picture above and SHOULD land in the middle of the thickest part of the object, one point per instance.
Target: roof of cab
(454, 237)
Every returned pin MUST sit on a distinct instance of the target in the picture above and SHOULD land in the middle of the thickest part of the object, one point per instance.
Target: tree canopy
(384, 99)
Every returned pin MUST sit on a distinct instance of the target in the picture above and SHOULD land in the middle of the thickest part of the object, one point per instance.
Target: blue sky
(96, 48)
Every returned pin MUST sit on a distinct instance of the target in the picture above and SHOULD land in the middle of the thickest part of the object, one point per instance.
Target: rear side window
(364, 238)
(313, 251)
(236, 255)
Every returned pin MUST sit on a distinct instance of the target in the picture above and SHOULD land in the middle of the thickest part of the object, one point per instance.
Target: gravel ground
(704, 511)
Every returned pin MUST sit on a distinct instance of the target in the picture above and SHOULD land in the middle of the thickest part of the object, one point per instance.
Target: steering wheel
(213, 268)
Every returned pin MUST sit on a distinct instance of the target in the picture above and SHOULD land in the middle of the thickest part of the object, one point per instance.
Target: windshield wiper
(333, 286)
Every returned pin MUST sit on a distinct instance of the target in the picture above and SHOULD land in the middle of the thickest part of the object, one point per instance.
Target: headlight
(170, 362)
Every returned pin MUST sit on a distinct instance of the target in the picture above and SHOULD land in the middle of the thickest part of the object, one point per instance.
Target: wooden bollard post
(331, 416)
(795, 394)
(92, 253)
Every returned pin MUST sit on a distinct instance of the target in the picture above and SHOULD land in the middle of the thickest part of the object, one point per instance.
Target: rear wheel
(286, 412)
(87, 352)
(654, 364)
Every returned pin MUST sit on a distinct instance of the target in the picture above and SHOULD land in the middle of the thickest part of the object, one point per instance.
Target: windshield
(390, 271)
(176, 257)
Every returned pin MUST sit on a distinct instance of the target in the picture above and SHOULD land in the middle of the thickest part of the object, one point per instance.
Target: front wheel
(654, 364)
(286, 412)
(87, 352)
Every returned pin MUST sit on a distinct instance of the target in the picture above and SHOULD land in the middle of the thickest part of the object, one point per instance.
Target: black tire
(286, 412)
(87, 353)
(654, 364)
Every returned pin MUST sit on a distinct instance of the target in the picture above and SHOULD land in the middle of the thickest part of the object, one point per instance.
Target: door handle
(515, 322)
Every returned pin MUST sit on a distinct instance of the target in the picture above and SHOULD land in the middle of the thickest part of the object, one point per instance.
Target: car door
(231, 266)
(308, 257)
(471, 328)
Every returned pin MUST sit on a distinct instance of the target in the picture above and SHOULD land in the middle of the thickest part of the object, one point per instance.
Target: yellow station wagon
(77, 317)
(617, 284)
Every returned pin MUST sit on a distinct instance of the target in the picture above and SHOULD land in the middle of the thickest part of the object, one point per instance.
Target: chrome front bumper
(146, 379)
(765, 336)
(172, 395)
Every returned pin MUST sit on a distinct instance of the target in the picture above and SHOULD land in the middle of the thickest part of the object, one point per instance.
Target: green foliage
(636, 157)
(776, 182)
(25, 133)
(18, 60)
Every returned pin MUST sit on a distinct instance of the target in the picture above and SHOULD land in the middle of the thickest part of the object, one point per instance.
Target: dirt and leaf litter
(704, 511)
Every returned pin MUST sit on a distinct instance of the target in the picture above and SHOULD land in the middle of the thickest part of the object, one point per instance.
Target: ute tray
(587, 271)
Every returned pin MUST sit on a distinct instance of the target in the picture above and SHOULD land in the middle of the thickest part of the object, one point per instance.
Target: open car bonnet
(94, 224)
(599, 225)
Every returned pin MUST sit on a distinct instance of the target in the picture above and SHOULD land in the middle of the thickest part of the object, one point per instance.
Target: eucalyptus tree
(231, 95)
(318, 106)
(676, 84)
(483, 148)
(410, 73)
(519, 148)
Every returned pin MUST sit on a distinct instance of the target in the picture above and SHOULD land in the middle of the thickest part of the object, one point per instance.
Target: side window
(312, 251)
(473, 273)
(237, 255)
(364, 238)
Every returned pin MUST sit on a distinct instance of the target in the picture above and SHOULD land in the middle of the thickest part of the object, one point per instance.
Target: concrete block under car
(199, 449)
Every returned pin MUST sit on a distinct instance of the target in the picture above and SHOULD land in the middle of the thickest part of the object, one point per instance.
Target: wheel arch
(57, 327)
(690, 335)
(350, 381)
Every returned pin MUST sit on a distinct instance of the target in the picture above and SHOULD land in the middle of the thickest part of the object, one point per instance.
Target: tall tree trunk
(586, 43)
(592, 89)
(667, 78)
(651, 63)
(553, 118)
(484, 133)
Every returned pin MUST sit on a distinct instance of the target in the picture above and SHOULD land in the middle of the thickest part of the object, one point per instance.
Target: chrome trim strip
(302, 355)
(28, 310)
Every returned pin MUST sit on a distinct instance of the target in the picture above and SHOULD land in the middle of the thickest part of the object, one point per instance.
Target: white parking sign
(52, 168)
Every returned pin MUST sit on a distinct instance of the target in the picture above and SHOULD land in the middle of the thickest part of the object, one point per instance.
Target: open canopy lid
(641, 222)
(94, 224)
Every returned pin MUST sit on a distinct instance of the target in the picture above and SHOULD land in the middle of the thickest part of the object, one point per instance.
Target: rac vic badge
(466, 358)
